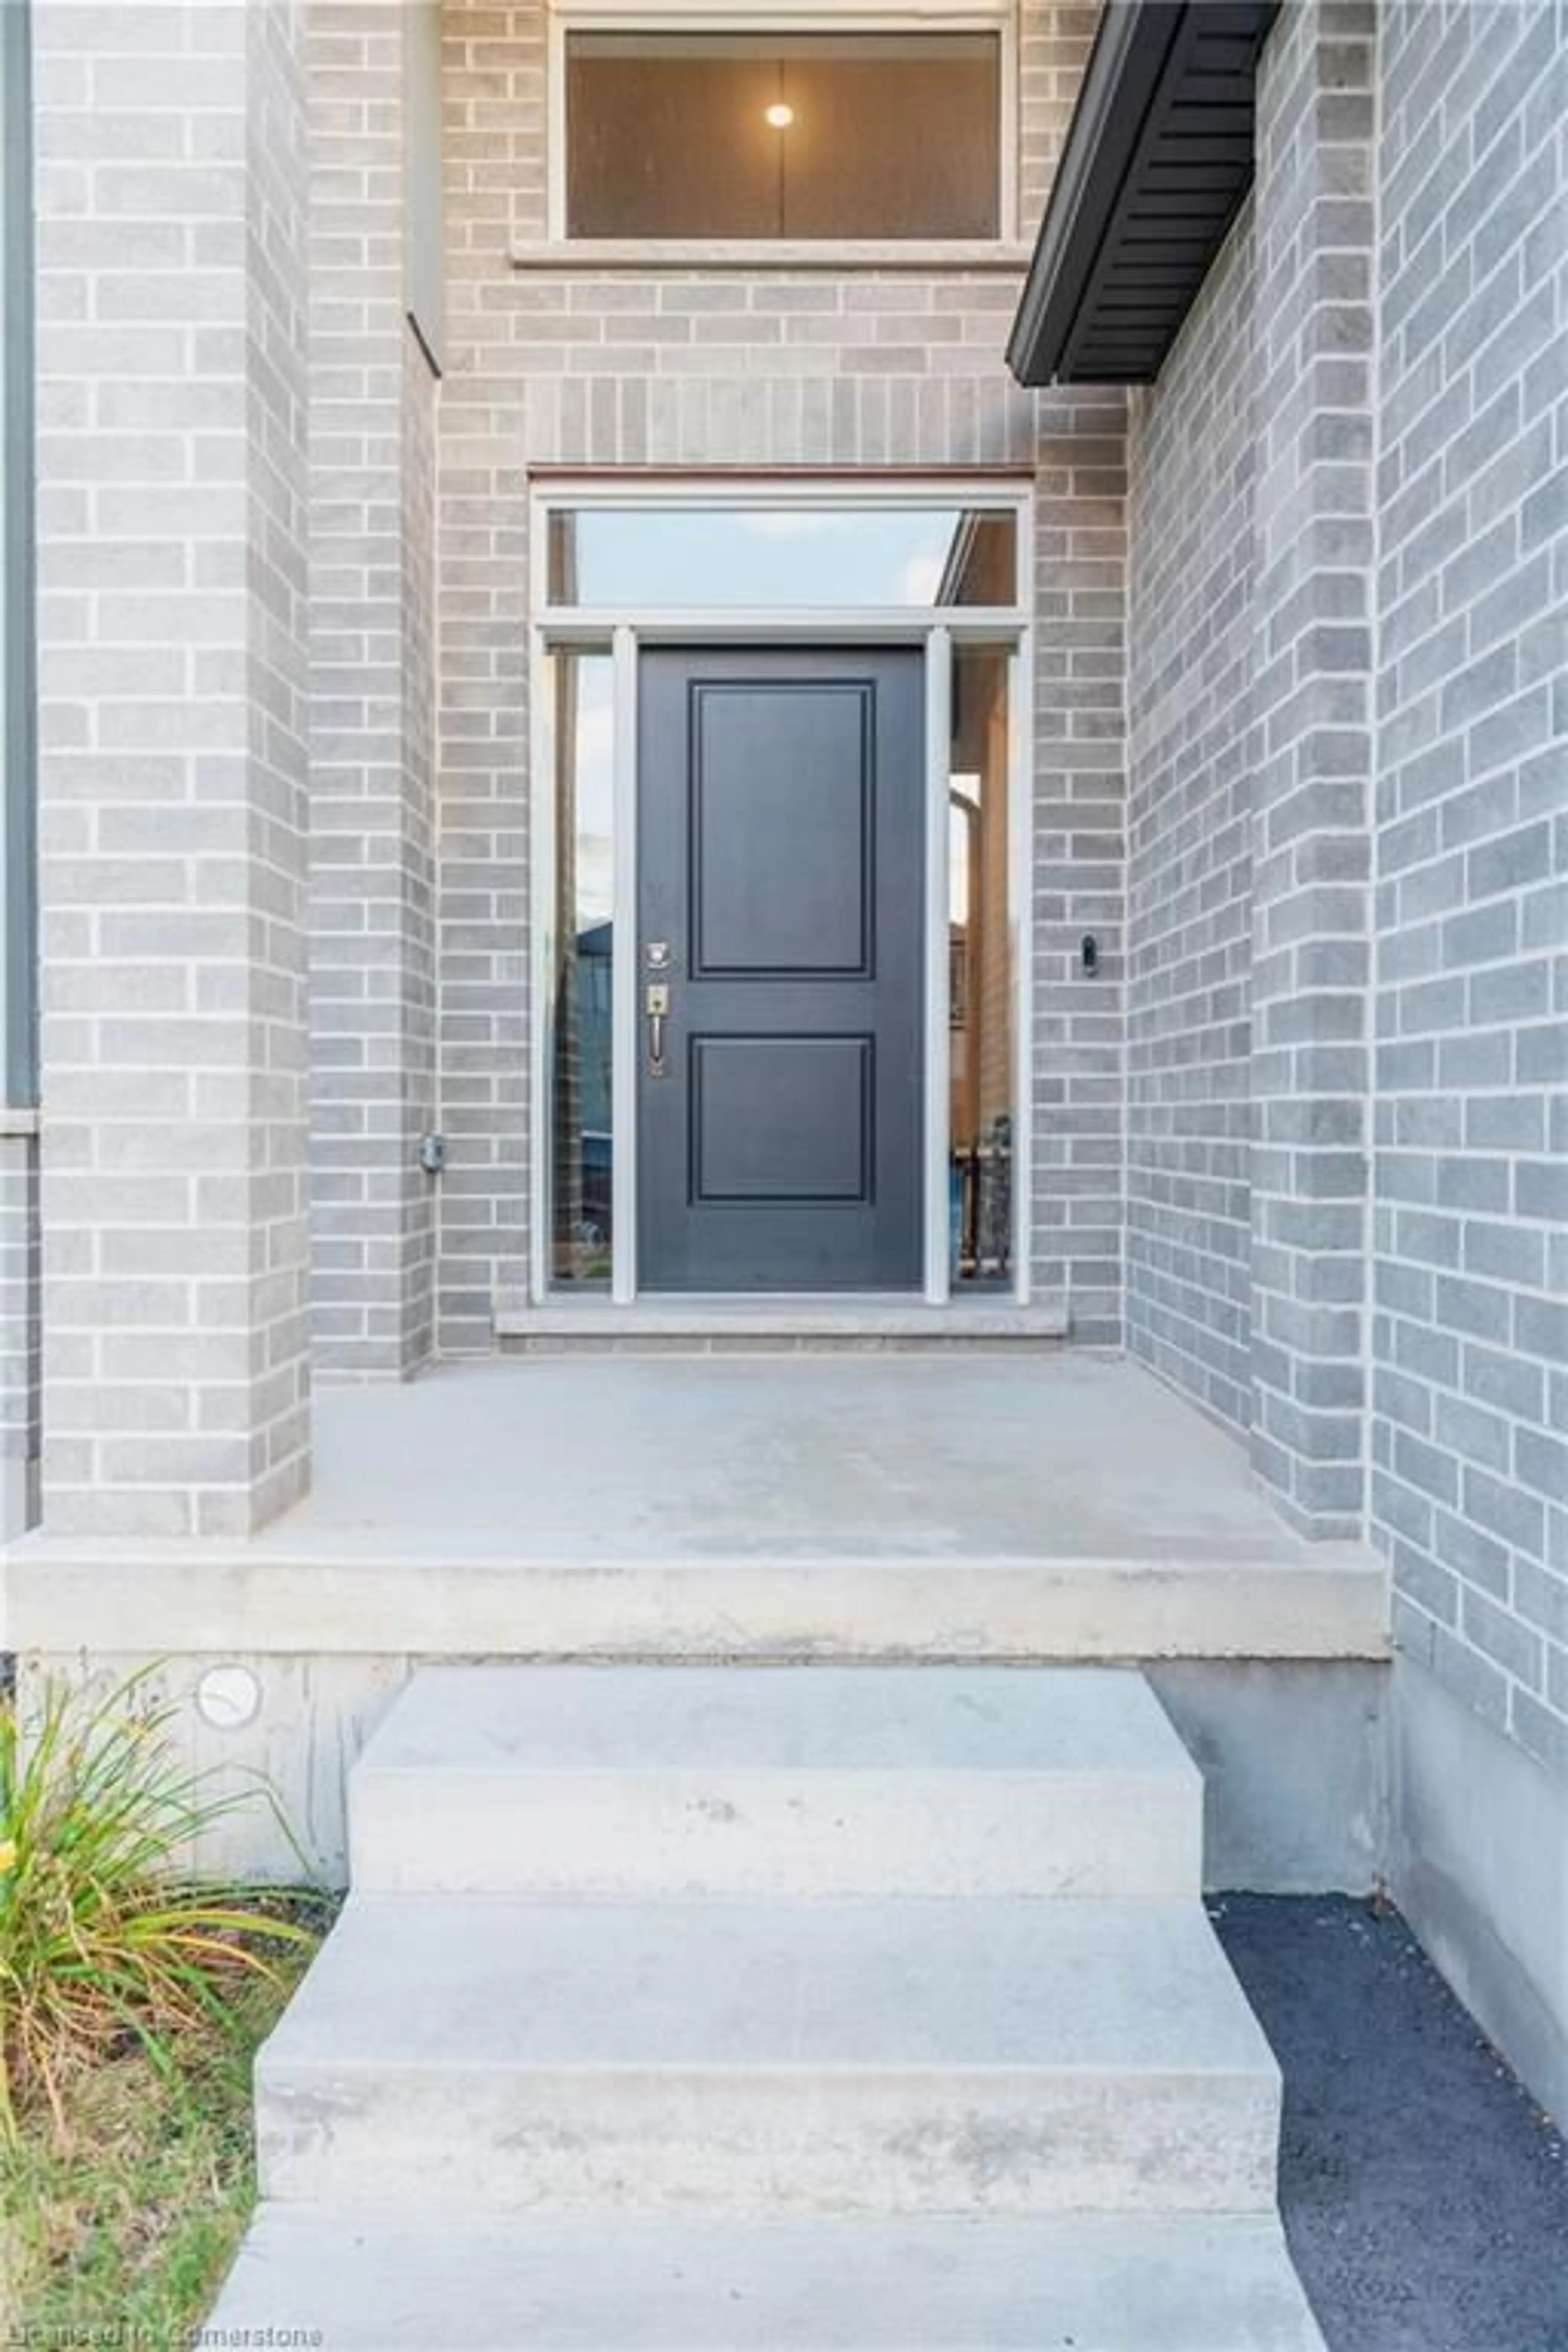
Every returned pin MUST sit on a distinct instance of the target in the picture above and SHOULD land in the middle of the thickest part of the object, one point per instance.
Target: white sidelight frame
(940, 631)
(937, 1075)
(998, 16)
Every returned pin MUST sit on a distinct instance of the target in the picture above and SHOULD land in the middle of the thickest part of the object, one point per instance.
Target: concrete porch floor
(956, 1503)
(944, 1456)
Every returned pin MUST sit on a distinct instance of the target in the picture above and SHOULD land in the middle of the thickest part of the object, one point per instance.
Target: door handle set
(656, 1003)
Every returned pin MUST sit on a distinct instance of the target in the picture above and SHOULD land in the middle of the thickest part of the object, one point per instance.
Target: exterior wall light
(779, 116)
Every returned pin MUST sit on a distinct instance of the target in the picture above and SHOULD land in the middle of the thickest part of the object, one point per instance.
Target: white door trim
(622, 635)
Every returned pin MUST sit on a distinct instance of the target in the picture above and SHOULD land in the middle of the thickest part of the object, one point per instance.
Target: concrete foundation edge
(1293, 1755)
(1478, 1866)
(1295, 1797)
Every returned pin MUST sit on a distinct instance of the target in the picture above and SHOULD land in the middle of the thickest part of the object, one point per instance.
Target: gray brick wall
(1250, 765)
(171, 241)
(1470, 1329)
(1464, 996)
(373, 981)
(1191, 757)
(1312, 618)
(1078, 1211)
(550, 363)
(20, 1434)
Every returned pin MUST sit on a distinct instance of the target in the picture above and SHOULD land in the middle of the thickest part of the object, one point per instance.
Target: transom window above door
(747, 130)
(604, 557)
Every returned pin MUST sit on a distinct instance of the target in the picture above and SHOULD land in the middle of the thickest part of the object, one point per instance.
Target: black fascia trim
(1134, 67)
(1125, 67)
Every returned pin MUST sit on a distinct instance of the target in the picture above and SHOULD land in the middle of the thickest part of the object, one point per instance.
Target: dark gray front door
(781, 885)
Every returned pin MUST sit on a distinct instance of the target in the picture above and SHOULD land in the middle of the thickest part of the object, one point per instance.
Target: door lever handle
(656, 1001)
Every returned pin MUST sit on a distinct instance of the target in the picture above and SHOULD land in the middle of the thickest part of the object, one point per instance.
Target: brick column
(171, 200)
(1079, 1208)
(1312, 844)
(372, 992)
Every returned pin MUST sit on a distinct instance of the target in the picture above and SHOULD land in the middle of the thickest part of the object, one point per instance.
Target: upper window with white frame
(810, 126)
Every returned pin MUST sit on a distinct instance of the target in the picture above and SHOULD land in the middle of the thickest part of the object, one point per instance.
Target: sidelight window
(980, 976)
(580, 715)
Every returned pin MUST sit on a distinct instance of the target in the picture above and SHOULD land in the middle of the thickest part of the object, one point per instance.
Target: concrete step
(729, 1780)
(848, 2056)
(748, 1325)
(388, 2281)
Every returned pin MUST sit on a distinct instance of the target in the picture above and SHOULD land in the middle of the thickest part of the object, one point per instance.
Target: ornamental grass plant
(108, 1941)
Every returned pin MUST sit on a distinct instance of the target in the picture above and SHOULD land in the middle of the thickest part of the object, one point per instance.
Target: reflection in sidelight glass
(767, 135)
(581, 718)
(603, 558)
(980, 976)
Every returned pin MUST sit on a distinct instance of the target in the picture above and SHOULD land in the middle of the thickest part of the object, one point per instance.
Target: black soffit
(1158, 158)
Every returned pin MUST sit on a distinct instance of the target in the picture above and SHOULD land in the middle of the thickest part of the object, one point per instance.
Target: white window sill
(586, 254)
